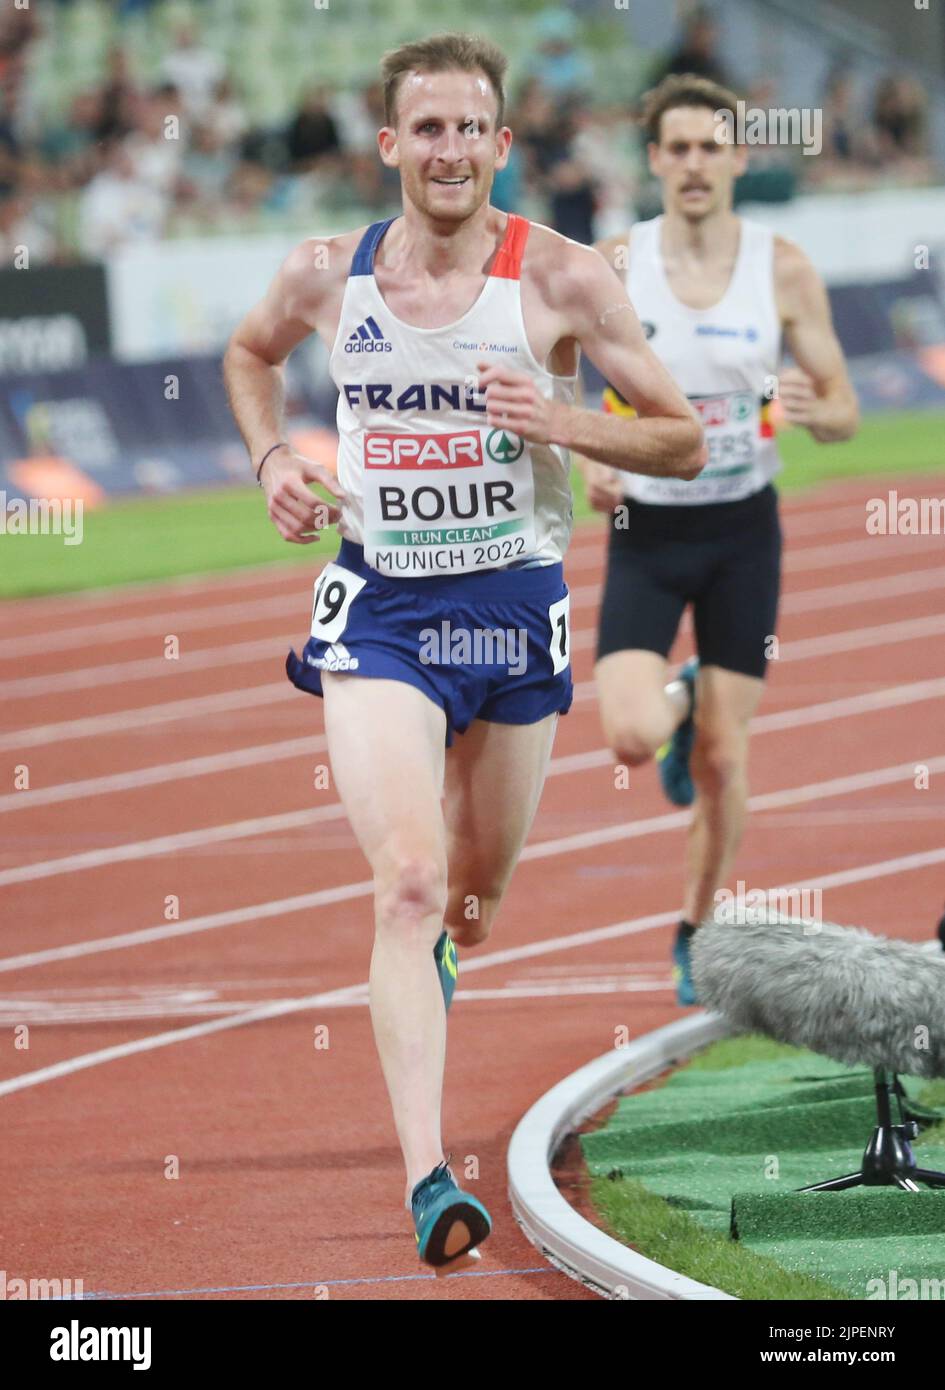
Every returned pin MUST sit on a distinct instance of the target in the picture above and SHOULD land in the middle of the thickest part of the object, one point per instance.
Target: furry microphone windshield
(842, 991)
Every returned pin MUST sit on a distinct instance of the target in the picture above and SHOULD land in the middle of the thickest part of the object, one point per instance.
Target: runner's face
(697, 171)
(445, 143)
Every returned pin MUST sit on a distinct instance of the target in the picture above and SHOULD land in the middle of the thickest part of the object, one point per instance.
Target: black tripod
(888, 1158)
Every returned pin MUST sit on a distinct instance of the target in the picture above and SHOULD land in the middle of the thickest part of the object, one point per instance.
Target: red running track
(185, 916)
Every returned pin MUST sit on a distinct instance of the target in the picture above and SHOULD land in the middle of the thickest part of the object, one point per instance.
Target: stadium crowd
(131, 161)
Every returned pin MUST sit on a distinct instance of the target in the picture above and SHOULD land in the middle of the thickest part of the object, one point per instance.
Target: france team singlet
(724, 359)
(432, 489)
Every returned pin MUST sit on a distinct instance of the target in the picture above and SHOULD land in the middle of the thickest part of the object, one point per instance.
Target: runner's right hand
(295, 511)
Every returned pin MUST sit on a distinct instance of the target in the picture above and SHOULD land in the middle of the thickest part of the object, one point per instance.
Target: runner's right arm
(294, 307)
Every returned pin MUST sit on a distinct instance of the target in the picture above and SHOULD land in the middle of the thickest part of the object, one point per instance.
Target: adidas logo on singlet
(367, 337)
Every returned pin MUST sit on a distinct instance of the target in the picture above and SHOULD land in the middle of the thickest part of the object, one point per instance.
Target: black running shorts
(722, 557)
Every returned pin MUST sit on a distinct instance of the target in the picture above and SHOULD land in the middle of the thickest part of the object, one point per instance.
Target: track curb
(563, 1236)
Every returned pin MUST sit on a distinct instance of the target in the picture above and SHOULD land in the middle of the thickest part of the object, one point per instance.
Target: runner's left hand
(514, 402)
(798, 397)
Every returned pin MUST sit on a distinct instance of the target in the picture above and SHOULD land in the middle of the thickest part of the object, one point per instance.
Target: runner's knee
(634, 741)
(717, 762)
(410, 889)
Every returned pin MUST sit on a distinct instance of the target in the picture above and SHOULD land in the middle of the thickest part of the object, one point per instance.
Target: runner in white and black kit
(715, 293)
(439, 637)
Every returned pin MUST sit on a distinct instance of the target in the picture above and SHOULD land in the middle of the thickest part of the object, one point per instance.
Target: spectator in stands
(115, 209)
(11, 151)
(899, 119)
(312, 134)
(196, 72)
(696, 51)
(227, 115)
(20, 228)
(555, 167)
(118, 97)
(208, 166)
(156, 144)
(558, 65)
(71, 147)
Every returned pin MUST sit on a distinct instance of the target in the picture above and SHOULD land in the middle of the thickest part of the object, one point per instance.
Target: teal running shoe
(444, 953)
(449, 1222)
(682, 970)
(673, 758)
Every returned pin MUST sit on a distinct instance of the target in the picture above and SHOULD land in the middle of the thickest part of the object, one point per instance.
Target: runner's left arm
(816, 394)
(664, 440)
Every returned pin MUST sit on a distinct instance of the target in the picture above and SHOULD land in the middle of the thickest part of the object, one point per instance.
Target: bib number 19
(335, 590)
(558, 616)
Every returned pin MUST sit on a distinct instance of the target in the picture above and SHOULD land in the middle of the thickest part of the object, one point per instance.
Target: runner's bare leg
(387, 743)
(726, 703)
(494, 777)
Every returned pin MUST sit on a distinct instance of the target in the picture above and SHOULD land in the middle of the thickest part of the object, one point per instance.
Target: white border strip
(548, 1220)
(560, 1233)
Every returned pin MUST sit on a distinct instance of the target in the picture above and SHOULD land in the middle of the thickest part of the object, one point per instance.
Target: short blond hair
(444, 53)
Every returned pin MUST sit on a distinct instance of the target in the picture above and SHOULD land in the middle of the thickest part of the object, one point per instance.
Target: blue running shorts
(493, 645)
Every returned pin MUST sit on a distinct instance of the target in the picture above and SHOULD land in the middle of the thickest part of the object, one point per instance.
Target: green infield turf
(197, 533)
(724, 1144)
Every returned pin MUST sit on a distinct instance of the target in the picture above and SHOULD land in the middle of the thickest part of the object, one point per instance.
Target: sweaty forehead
(450, 94)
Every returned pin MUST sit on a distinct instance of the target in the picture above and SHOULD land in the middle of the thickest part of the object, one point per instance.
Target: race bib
(447, 503)
(335, 590)
(732, 425)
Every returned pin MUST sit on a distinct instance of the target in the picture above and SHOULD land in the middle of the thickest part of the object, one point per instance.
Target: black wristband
(281, 445)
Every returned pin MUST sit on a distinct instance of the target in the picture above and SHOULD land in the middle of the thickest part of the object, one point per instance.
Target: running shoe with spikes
(673, 758)
(444, 953)
(682, 969)
(449, 1222)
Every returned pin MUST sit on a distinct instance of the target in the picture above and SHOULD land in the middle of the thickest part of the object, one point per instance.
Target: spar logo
(461, 449)
(503, 446)
(722, 410)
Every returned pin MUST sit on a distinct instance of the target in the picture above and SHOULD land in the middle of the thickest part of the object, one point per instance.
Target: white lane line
(163, 772)
(907, 584)
(845, 707)
(332, 998)
(300, 747)
(273, 646)
(284, 605)
(802, 559)
(158, 624)
(143, 716)
(48, 1013)
(568, 844)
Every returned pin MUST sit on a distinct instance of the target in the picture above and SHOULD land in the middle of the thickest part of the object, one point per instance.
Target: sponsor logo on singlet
(716, 411)
(464, 345)
(460, 449)
(713, 330)
(648, 328)
(420, 396)
(367, 337)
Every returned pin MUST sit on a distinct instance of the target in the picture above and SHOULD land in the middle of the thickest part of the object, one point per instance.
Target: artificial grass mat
(735, 1132)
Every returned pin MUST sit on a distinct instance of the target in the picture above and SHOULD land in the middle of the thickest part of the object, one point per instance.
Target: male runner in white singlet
(455, 334)
(714, 293)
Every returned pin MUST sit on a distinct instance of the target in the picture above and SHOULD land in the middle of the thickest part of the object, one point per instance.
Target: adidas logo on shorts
(367, 337)
(336, 658)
